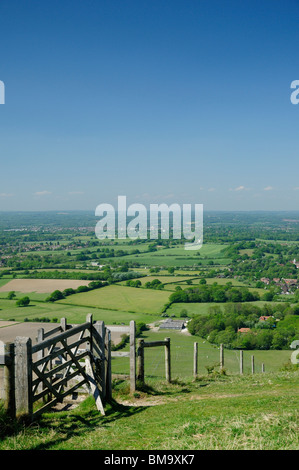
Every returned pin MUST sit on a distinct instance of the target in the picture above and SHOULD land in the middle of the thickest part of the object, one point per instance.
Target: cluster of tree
(125, 275)
(154, 284)
(93, 275)
(107, 274)
(213, 293)
(223, 326)
(58, 295)
(132, 283)
(23, 301)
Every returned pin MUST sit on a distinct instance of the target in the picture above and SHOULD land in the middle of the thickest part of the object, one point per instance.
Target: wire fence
(182, 360)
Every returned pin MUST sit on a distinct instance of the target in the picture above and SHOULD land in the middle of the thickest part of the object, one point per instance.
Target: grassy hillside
(213, 413)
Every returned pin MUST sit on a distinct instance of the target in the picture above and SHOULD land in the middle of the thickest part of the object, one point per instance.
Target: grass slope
(214, 413)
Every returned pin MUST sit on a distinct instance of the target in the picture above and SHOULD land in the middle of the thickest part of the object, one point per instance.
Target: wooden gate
(64, 360)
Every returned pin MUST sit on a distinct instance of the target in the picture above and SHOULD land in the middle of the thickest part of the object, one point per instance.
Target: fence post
(140, 360)
(252, 364)
(63, 324)
(167, 360)
(263, 367)
(132, 356)
(221, 356)
(23, 376)
(241, 362)
(8, 379)
(195, 360)
(108, 364)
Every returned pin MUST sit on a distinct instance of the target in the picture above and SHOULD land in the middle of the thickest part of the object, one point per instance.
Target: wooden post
(241, 362)
(263, 367)
(99, 351)
(90, 321)
(132, 356)
(140, 360)
(221, 356)
(195, 360)
(108, 365)
(23, 376)
(40, 355)
(63, 324)
(9, 379)
(167, 360)
(252, 364)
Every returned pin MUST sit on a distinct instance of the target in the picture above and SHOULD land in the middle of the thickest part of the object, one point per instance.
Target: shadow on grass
(79, 422)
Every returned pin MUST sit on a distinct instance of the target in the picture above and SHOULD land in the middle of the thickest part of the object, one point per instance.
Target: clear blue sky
(183, 101)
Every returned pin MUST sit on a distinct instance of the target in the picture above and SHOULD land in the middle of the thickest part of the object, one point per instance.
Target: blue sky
(183, 101)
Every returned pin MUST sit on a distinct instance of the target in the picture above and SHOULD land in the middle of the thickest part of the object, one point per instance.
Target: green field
(122, 298)
(73, 313)
(179, 257)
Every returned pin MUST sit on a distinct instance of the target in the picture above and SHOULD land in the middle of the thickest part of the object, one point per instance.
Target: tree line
(213, 293)
(267, 327)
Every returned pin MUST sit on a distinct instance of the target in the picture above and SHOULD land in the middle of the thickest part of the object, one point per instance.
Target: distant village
(287, 285)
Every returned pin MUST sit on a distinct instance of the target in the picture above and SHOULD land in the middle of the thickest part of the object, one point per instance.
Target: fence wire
(182, 359)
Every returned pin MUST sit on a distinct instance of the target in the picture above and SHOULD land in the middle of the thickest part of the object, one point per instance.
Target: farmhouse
(265, 318)
(244, 330)
(295, 263)
(170, 324)
(291, 282)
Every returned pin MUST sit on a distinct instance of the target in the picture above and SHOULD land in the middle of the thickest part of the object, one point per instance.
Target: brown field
(41, 286)
(9, 330)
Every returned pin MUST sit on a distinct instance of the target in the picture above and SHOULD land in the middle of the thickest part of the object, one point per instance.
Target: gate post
(99, 353)
(7, 351)
(23, 376)
(108, 364)
(140, 359)
(132, 356)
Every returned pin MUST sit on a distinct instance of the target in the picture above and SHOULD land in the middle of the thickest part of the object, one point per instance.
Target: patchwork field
(41, 286)
(179, 257)
(117, 297)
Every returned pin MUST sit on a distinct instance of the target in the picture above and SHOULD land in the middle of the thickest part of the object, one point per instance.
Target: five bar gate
(64, 360)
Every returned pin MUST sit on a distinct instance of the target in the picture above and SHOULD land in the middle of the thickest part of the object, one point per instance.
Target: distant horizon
(65, 211)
